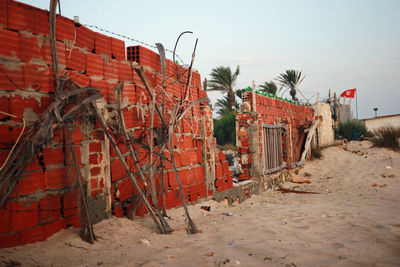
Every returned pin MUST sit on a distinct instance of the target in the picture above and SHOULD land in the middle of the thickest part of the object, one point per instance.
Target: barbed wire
(134, 40)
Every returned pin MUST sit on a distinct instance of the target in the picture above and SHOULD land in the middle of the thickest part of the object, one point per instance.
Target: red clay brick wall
(269, 110)
(43, 201)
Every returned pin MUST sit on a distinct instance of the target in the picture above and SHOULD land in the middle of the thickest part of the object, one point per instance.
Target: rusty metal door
(273, 158)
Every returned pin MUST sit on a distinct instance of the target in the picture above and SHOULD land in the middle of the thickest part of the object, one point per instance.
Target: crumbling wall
(45, 199)
(325, 134)
(268, 110)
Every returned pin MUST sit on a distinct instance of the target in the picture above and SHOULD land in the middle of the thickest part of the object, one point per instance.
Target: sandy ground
(354, 221)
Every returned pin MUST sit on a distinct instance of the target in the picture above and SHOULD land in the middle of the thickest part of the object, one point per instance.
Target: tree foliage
(222, 79)
(269, 87)
(291, 79)
(224, 129)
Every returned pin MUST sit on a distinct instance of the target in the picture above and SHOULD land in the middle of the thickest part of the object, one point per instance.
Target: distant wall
(373, 124)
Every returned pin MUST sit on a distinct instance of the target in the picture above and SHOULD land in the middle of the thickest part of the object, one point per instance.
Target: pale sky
(339, 44)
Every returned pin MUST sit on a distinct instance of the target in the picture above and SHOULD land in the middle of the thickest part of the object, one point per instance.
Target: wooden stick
(114, 145)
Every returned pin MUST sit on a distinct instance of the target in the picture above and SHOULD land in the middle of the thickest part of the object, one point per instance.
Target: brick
(125, 71)
(4, 106)
(19, 16)
(65, 29)
(61, 54)
(18, 105)
(10, 240)
(84, 37)
(53, 156)
(29, 183)
(76, 60)
(95, 171)
(129, 92)
(124, 190)
(40, 21)
(221, 156)
(111, 70)
(95, 66)
(72, 221)
(29, 47)
(14, 72)
(49, 208)
(117, 170)
(102, 85)
(118, 211)
(3, 13)
(225, 168)
(24, 215)
(70, 204)
(9, 135)
(55, 178)
(117, 49)
(95, 158)
(95, 147)
(218, 170)
(37, 77)
(102, 44)
(80, 79)
(9, 44)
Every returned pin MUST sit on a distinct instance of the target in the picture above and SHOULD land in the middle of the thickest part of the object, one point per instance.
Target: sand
(354, 221)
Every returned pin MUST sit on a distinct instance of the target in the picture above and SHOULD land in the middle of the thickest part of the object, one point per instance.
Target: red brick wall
(295, 118)
(43, 202)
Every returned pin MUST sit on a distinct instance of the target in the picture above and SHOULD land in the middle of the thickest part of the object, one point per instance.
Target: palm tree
(224, 107)
(222, 79)
(269, 87)
(291, 79)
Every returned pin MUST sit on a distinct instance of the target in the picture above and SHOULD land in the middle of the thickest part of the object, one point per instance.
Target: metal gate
(272, 136)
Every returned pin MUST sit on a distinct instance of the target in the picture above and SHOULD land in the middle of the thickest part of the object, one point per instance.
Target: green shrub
(349, 129)
(225, 129)
(386, 137)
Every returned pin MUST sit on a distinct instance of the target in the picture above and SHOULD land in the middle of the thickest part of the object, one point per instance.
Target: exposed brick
(102, 44)
(124, 189)
(49, 208)
(84, 37)
(95, 66)
(102, 85)
(19, 16)
(70, 204)
(40, 21)
(117, 49)
(3, 13)
(10, 240)
(125, 71)
(12, 77)
(55, 178)
(65, 29)
(29, 183)
(24, 215)
(76, 60)
(117, 170)
(111, 70)
(80, 79)
(95, 171)
(129, 92)
(37, 77)
(9, 44)
(18, 105)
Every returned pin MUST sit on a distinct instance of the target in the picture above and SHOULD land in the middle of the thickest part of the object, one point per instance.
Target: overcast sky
(337, 44)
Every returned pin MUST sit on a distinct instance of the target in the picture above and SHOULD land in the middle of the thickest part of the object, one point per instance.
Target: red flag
(348, 93)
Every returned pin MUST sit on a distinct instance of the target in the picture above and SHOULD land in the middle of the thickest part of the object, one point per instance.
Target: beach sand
(354, 221)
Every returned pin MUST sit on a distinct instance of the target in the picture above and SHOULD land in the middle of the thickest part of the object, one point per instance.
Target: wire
(134, 40)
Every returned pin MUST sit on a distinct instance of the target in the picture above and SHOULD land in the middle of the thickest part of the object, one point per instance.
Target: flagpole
(356, 104)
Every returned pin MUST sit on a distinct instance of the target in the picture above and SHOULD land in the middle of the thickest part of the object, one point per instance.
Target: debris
(388, 167)
(300, 180)
(145, 242)
(170, 256)
(267, 258)
(231, 243)
(210, 254)
(207, 208)
(379, 185)
(228, 213)
(284, 191)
